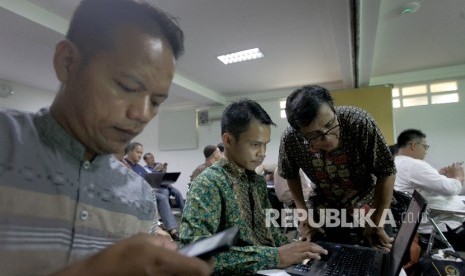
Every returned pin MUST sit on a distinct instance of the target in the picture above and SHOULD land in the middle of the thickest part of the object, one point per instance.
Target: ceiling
(334, 43)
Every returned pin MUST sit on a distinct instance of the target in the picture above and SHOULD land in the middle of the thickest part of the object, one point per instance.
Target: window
(425, 94)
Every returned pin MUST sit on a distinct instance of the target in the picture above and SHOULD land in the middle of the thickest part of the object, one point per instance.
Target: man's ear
(66, 59)
(227, 140)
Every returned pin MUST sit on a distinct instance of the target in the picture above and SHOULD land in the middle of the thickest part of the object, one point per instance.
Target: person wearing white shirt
(439, 187)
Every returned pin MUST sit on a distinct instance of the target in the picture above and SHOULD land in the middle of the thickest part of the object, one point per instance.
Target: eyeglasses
(425, 146)
(320, 137)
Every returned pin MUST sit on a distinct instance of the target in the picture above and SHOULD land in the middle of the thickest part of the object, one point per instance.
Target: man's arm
(306, 231)
(376, 236)
(454, 171)
(142, 254)
(432, 181)
(383, 196)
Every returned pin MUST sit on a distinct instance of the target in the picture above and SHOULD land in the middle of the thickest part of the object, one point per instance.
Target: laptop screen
(407, 231)
(171, 177)
(154, 179)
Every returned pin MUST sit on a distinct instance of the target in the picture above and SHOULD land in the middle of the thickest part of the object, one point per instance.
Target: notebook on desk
(345, 259)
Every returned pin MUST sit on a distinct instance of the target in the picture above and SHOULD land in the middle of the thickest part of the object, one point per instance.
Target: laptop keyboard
(352, 261)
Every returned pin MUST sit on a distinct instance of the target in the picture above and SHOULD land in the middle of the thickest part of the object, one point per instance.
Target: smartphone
(211, 246)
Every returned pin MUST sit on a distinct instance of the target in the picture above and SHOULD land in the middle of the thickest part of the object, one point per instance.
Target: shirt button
(84, 215)
(86, 165)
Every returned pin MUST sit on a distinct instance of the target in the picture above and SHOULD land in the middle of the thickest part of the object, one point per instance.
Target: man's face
(217, 155)
(420, 148)
(249, 150)
(323, 132)
(135, 154)
(107, 102)
(149, 160)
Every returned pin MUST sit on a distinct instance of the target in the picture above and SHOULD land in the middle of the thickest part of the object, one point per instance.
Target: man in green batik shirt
(230, 193)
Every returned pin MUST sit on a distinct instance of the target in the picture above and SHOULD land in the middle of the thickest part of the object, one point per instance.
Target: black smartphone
(210, 246)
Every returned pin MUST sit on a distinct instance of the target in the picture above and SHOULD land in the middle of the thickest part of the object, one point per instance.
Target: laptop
(345, 259)
(154, 179)
(170, 178)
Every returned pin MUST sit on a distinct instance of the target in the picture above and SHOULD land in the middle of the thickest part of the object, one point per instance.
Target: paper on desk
(273, 272)
(450, 204)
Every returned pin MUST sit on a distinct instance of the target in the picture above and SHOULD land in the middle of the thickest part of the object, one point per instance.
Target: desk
(281, 272)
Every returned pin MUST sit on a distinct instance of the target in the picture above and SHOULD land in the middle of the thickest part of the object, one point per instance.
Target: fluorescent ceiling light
(241, 56)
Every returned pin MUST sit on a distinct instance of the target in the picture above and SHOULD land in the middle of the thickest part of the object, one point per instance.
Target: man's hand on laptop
(298, 251)
(377, 237)
(307, 232)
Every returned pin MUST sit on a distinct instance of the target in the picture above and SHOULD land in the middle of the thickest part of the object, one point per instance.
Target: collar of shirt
(52, 133)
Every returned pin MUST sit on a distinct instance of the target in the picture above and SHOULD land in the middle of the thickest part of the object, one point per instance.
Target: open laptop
(356, 260)
(154, 179)
(170, 178)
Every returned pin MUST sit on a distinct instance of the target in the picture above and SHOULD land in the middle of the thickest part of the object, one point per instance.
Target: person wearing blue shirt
(134, 152)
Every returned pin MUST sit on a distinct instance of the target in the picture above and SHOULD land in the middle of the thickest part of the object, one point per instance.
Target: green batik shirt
(225, 195)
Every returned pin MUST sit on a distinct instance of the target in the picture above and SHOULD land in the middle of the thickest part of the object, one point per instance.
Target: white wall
(27, 98)
(443, 124)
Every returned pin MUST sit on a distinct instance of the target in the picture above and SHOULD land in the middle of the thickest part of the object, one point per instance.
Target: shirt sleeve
(195, 173)
(428, 178)
(377, 157)
(202, 218)
(287, 167)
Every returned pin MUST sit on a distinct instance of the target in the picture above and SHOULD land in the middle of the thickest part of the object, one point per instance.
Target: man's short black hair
(409, 135)
(238, 115)
(302, 104)
(95, 23)
(131, 146)
(220, 147)
(146, 155)
(209, 150)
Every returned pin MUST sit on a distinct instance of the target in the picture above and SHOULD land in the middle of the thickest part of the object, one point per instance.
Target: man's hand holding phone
(210, 246)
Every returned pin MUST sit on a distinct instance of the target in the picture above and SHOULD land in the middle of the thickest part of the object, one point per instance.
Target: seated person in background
(155, 228)
(230, 193)
(120, 157)
(221, 148)
(267, 172)
(440, 188)
(282, 189)
(343, 152)
(67, 205)
(134, 152)
(212, 154)
(152, 166)
(394, 149)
